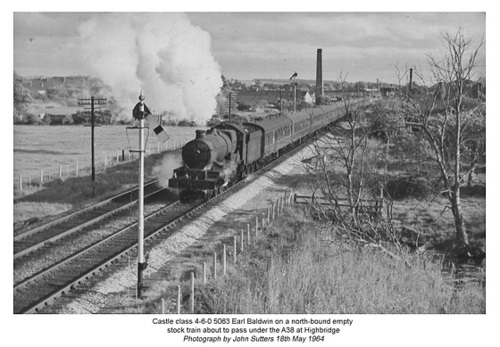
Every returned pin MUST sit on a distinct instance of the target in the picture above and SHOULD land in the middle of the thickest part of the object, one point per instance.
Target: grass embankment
(300, 267)
(61, 196)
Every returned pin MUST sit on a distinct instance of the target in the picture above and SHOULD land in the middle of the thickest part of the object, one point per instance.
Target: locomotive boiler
(210, 163)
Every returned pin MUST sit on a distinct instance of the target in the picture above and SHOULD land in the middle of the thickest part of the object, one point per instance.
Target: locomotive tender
(228, 152)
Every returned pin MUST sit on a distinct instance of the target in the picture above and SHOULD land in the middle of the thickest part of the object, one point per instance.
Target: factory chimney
(411, 78)
(319, 77)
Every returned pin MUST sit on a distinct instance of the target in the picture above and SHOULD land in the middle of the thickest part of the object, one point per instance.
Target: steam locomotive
(229, 152)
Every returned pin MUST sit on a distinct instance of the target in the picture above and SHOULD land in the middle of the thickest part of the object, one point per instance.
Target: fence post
(117, 156)
(234, 249)
(60, 171)
(204, 273)
(41, 177)
(224, 271)
(256, 229)
(123, 155)
(179, 299)
(242, 241)
(20, 182)
(76, 173)
(105, 160)
(248, 235)
(192, 292)
(162, 306)
(215, 265)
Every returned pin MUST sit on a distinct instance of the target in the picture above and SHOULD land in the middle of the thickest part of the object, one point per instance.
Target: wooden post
(248, 235)
(268, 215)
(256, 229)
(117, 156)
(215, 265)
(76, 173)
(60, 171)
(242, 238)
(192, 292)
(234, 249)
(41, 176)
(224, 270)
(105, 159)
(204, 273)
(162, 306)
(123, 155)
(20, 183)
(179, 299)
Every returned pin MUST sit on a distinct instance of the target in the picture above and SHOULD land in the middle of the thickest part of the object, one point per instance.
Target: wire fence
(176, 301)
(103, 161)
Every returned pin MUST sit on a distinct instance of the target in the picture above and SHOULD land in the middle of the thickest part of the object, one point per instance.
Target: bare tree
(445, 116)
(346, 173)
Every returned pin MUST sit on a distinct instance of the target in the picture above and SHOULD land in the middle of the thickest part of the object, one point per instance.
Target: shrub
(408, 187)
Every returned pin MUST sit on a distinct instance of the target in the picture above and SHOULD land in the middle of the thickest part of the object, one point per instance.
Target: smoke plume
(166, 166)
(161, 53)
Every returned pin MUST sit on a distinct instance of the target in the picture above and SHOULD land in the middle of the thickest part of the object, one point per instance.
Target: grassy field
(299, 266)
(47, 147)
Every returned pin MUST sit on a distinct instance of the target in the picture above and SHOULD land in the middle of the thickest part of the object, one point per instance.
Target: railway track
(37, 291)
(34, 239)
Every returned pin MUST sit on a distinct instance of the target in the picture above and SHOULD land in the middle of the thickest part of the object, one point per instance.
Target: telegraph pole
(294, 77)
(92, 101)
(229, 117)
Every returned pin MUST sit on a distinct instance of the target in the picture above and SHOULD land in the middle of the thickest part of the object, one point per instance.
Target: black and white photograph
(283, 175)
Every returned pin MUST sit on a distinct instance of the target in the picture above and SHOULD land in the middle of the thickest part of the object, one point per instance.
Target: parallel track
(41, 236)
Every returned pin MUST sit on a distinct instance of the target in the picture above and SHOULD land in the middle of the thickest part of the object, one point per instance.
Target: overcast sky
(247, 45)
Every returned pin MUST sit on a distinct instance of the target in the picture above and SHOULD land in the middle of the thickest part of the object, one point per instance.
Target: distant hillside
(64, 91)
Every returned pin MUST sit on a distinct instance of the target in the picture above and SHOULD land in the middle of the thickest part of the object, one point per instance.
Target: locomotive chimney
(200, 134)
(319, 77)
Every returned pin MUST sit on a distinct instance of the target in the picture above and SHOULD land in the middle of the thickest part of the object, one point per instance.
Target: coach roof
(271, 123)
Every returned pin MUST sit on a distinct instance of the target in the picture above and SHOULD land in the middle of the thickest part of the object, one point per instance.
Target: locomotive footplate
(184, 183)
(194, 179)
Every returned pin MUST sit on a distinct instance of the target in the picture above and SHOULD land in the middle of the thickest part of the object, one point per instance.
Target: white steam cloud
(161, 53)
(164, 169)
